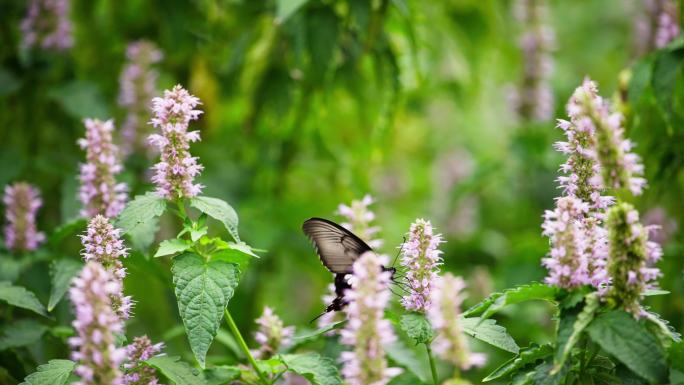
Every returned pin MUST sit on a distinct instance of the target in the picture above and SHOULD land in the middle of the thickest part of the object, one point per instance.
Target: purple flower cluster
(138, 373)
(421, 258)
(137, 87)
(99, 192)
(535, 98)
(450, 343)
(366, 330)
(358, 220)
(175, 173)
(102, 244)
(47, 25)
(96, 324)
(272, 335)
(668, 24)
(22, 202)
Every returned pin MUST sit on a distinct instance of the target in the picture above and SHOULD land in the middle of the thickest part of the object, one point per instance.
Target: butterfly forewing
(337, 247)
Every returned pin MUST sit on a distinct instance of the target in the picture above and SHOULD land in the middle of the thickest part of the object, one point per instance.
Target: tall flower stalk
(22, 202)
(137, 372)
(47, 25)
(272, 334)
(367, 331)
(422, 259)
(176, 170)
(358, 219)
(99, 192)
(138, 82)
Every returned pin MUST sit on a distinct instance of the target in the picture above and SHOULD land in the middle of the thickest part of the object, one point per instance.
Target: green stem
(433, 367)
(181, 208)
(245, 349)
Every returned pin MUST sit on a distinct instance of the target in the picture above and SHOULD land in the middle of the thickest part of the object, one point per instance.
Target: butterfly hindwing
(337, 247)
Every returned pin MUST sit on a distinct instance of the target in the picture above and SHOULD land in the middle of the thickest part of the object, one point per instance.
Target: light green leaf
(81, 99)
(10, 268)
(55, 372)
(203, 290)
(285, 9)
(233, 256)
(413, 359)
(179, 372)
(303, 338)
(20, 297)
(619, 334)
(21, 333)
(138, 212)
(676, 377)
(417, 327)
(62, 271)
(318, 370)
(143, 235)
(527, 356)
(172, 246)
(654, 292)
(497, 301)
(219, 210)
(571, 327)
(488, 331)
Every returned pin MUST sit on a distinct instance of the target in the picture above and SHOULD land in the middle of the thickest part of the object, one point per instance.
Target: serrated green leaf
(203, 290)
(662, 329)
(417, 327)
(488, 331)
(55, 372)
(143, 235)
(497, 301)
(237, 257)
(62, 271)
(286, 8)
(220, 375)
(139, 212)
(20, 297)
(21, 333)
(172, 246)
(543, 376)
(619, 334)
(527, 356)
(315, 368)
(219, 210)
(571, 326)
(179, 372)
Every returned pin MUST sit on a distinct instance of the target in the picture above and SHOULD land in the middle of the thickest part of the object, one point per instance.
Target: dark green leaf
(55, 372)
(285, 8)
(219, 210)
(172, 246)
(67, 230)
(488, 331)
(667, 68)
(81, 99)
(21, 333)
(676, 355)
(417, 327)
(220, 375)
(496, 301)
(179, 372)
(20, 297)
(321, 34)
(62, 271)
(527, 356)
(318, 370)
(8, 82)
(571, 326)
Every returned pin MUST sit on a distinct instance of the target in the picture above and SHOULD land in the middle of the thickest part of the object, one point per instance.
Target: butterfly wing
(337, 247)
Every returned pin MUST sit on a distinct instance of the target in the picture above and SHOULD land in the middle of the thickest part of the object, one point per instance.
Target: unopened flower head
(47, 25)
(96, 324)
(137, 372)
(272, 334)
(450, 343)
(358, 220)
(366, 329)
(99, 192)
(22, 202)
(176, 171)
(422, 259)
(137, 87)
(102, 243)
(632, 258)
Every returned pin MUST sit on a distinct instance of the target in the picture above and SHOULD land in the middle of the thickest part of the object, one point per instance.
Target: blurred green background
(309, 104)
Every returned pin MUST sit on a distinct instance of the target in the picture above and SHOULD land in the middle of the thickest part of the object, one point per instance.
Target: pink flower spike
(22, 202)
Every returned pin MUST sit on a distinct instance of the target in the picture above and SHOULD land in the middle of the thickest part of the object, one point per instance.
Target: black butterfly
(337, 248)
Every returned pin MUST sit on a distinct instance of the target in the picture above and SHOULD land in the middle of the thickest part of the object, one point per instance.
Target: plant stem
(243, 346)
(181, 208)
(433, 368)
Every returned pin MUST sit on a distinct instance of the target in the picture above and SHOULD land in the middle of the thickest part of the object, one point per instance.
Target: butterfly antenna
(399, 252)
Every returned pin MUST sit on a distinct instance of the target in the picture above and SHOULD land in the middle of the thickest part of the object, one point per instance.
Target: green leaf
(322, 31)
(676, 377)
(220, 375)
(527, 356)
(10, 268)
(81, 99)
(285, 9)
(496, 301)
(55, 372)
(143, 235)
(62, 271)
(417, 327)
(619, 334)
(203, 290)
(138, 212)
(219, 210)
(676, 355)
(21, 333)
(543, 374)
(8, 82)
(67, 229)
(666, 70)
(662, 329)
(413, 359)
(237, 257)
(20, 297)
(175, 370)
(488, 331)
(303, 338)
(318, 370)
(571, 326)
(172, 246)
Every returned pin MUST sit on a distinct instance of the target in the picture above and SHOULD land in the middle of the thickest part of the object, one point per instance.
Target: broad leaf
(318, 370)
(417, 327)
(676, 377)
(10, 268)
(414, 359)
(203, 290)
(676, 356)
(74, 226)
(21, 333)
(179, 372)
(219, 210)
(81, 99)
(571, 326)
(55, 372)
(143, 235)
(20, 297)
(488, 331)
(172, 246)
(62, 271)
(619, 334)
(285, 8)
(220, 375)
(138, 212)
(527, 356)
(496, 301)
